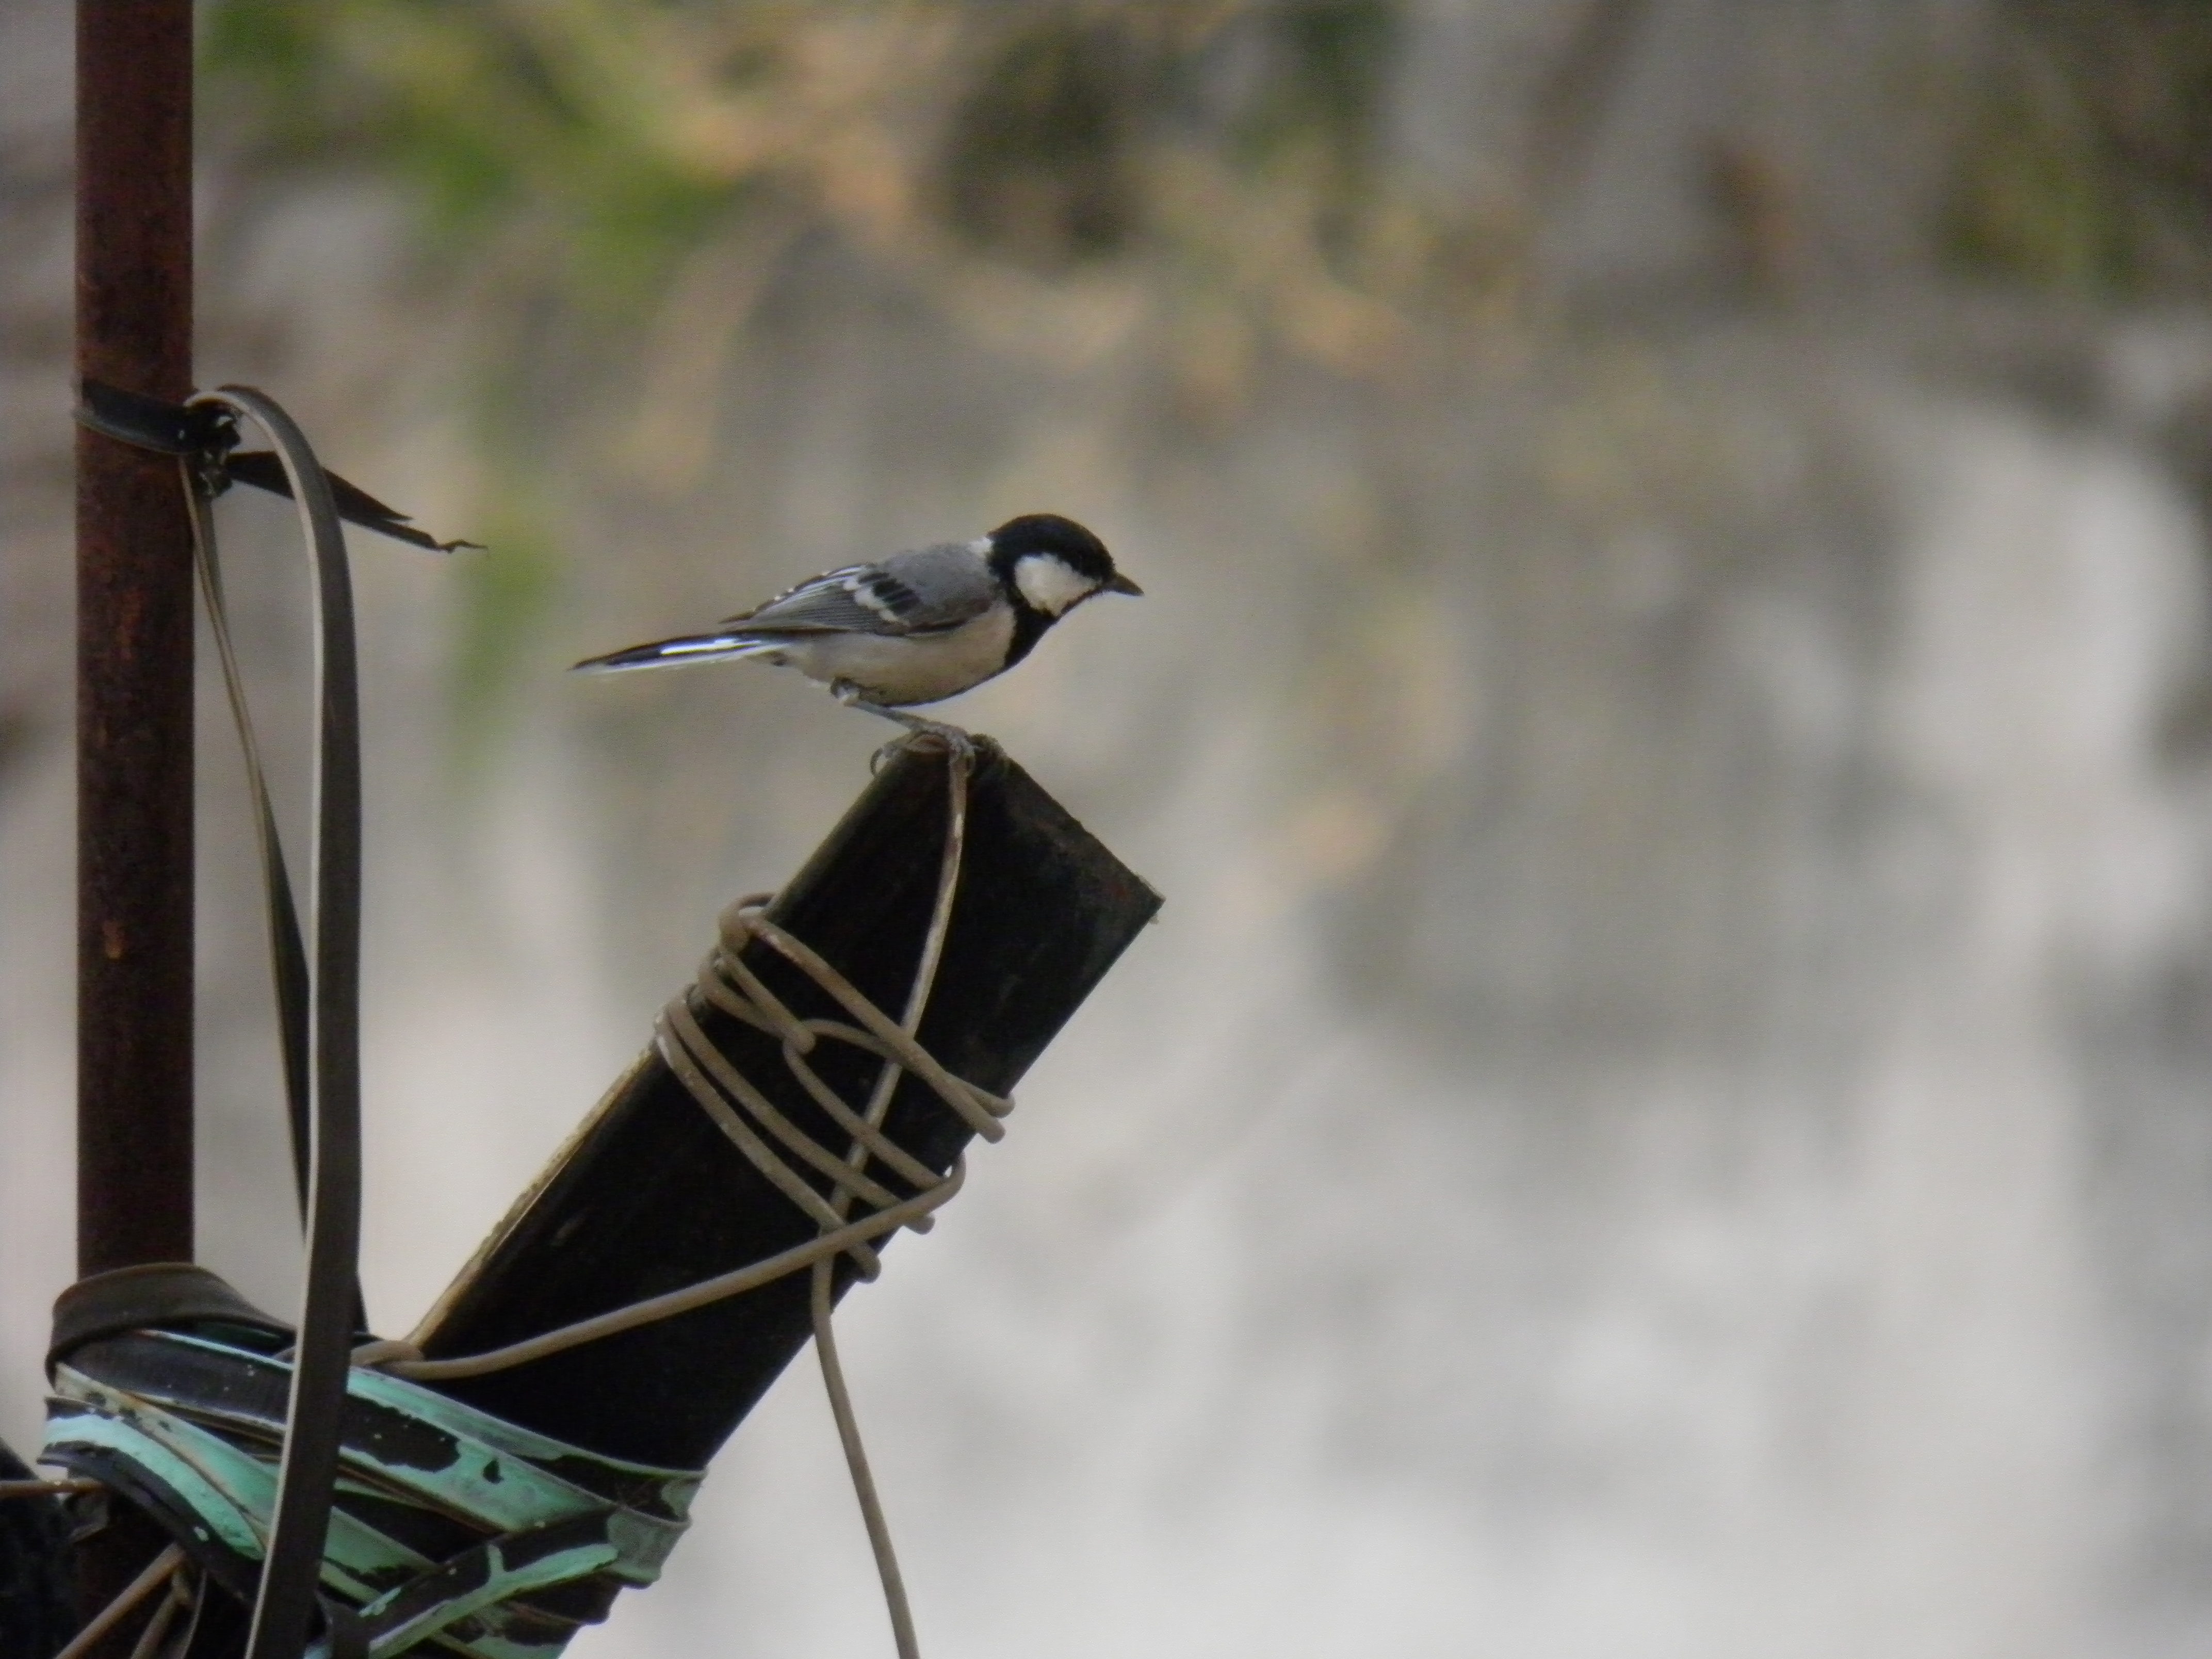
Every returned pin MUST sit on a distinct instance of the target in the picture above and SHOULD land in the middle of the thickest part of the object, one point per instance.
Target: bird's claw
(958, 744)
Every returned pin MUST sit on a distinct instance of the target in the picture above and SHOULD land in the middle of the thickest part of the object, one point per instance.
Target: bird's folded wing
(914, 593)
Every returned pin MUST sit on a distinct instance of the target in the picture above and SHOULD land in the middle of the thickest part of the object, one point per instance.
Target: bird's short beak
(1121, 584)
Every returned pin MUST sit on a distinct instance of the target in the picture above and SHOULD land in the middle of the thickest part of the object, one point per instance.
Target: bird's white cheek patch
(1049, 584)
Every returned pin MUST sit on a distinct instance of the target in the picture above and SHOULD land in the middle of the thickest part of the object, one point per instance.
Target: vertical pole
(134, 328)
(134, 687)
(134, 690)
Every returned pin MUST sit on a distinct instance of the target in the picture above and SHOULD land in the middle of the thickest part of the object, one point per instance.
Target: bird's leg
(955, 740)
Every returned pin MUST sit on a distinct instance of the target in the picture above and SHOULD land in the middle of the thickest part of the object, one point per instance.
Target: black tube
(652, 1197)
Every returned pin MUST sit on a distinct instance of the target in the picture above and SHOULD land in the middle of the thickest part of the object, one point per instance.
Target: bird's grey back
(914, 592)
(949, 581)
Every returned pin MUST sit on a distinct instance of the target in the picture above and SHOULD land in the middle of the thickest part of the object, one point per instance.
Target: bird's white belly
(896, 670)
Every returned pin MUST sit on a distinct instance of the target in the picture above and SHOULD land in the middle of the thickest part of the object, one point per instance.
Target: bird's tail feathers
(674, 654)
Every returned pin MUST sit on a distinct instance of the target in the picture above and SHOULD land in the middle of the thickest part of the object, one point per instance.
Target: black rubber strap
(318, 998)
(208, 434)
(288, 950)
(155, 1296)
(263, 470)
(292, 1569)
(154, 423)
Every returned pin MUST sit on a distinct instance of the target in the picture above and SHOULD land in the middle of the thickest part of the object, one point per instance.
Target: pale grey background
(1665, 1114)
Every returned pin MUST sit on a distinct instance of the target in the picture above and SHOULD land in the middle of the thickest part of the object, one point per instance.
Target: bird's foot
(956, 743)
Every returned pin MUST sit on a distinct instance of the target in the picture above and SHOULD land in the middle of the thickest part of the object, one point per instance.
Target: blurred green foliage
(1037, 134)
(1205, 181)
(2085, 166)
(1201, 185)
(490, 113)
(1039, 159)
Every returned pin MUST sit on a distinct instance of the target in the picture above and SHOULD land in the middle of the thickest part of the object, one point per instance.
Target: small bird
(918, 627)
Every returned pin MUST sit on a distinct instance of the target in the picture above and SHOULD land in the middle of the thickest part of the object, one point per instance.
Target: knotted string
(770, 1141)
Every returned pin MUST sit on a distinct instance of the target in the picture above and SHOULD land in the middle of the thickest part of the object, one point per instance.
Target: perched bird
(917, 628)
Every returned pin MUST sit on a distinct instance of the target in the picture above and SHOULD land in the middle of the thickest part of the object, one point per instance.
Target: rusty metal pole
(134, 710)
(134, 329)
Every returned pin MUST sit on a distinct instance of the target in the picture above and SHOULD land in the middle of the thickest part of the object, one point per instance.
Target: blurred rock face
(1662, 1115)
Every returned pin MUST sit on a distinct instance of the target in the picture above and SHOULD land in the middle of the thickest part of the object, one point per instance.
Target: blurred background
(1666, 1113)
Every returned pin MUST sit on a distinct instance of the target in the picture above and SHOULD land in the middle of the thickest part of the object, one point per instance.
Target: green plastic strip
(208, 1434)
